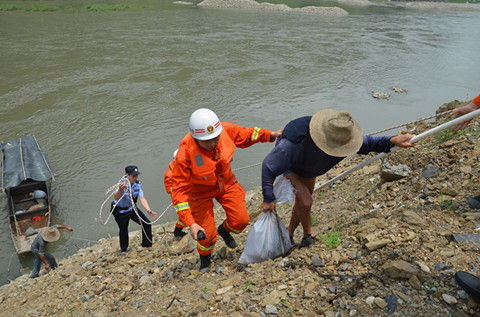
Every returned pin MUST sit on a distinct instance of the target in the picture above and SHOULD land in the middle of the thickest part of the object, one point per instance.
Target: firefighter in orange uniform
(202, 172)
(168, 181)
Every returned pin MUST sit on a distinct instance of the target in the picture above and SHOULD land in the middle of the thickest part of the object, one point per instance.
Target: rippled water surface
(104, 90)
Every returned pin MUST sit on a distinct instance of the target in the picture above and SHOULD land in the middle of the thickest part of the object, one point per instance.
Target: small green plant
(445, 202)
(11, 7)
(448, 134)
(42, 8)
(332, 239)
(248, 286)
(288, 306)
(39, 8)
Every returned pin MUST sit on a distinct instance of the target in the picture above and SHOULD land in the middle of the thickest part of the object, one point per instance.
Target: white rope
(412, 122)
(112, 190)
(245, 167)
(134, 207)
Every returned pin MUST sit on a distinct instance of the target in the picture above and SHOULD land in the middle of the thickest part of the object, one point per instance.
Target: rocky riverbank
(383, 246)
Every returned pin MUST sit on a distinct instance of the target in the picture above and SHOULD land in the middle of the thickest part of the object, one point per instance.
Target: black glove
(201, 235)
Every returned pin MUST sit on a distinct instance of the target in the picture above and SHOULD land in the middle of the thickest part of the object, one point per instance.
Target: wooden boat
(26, 178)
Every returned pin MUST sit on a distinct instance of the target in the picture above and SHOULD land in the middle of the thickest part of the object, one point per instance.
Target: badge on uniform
(199, 160)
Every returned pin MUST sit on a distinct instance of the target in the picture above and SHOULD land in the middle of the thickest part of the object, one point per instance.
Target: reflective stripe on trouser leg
(179, 224)
(202, 213)
(226, 226)
(204, 250)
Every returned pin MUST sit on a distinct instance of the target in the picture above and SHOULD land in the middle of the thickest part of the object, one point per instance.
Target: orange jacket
(201, 173)
(476, 101)
(167, 179)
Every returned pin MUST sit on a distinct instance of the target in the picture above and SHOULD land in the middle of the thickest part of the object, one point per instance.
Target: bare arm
(42, 257)
(144, 203)
(119, 192)
(65, 227)
(462, 111)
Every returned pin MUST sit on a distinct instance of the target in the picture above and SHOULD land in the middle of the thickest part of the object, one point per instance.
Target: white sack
(268, 239)
(283, 190)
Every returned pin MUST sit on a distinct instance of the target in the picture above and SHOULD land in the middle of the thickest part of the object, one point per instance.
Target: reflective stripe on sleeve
(181, 206)
(180, 223)
(255, 133)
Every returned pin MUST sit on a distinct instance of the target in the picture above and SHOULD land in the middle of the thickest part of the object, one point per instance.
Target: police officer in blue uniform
(123, 208)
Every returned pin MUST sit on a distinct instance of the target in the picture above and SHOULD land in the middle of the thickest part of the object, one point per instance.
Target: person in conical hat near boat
(202, 172)
(47, 235)
(178, 232)
(309, 147)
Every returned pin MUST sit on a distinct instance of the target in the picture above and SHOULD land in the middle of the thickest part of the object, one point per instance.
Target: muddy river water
(105, 90)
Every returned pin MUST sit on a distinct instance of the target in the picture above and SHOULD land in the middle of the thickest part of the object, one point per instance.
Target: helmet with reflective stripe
(204, 124)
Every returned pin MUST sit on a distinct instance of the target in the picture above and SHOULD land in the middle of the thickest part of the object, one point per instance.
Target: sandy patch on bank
(361, 3)
(252, 5)
(183, 3)
(443, 6)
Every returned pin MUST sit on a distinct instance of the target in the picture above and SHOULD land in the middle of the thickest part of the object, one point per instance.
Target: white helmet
(204, 124)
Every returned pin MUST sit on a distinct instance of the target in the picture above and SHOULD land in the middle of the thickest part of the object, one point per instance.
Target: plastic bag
(283, 190)
(268, 239)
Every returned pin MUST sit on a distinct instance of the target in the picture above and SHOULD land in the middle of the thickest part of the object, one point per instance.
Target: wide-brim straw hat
(336, 132)
(50, 234)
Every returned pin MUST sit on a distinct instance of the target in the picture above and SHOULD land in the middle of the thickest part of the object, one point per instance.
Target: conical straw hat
(336, 132)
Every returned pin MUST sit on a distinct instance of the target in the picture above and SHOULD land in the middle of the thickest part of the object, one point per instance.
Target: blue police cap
(132, 170)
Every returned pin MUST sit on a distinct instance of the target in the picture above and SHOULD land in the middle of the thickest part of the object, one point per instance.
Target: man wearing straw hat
(50, 234)
(309, 147)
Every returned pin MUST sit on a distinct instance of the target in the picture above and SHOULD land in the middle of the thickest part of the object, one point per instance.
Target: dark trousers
(37, 262)
(123, 219)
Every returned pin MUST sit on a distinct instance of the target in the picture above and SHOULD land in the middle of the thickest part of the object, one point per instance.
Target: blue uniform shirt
(296, 152)
(125, 203)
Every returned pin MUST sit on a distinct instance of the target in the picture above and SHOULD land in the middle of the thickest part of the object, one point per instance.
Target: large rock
(391, 172)
(186, 245)
(466, 238)
(449, 299)
(430, 171)
(412, 218)
(450, 106)
(377, 244)
(399, 269)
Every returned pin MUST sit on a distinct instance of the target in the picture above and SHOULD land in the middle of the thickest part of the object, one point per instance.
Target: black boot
(205, 261)
(227, 237)
(307, 241)
(178, 233)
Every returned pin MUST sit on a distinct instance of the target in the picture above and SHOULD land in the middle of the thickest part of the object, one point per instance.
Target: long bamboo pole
(417, 138)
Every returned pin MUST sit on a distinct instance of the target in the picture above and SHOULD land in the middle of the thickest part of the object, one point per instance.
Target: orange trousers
(232, 199)
(179, 224)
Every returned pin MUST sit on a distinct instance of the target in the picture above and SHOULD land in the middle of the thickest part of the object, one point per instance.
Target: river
(105, 90)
